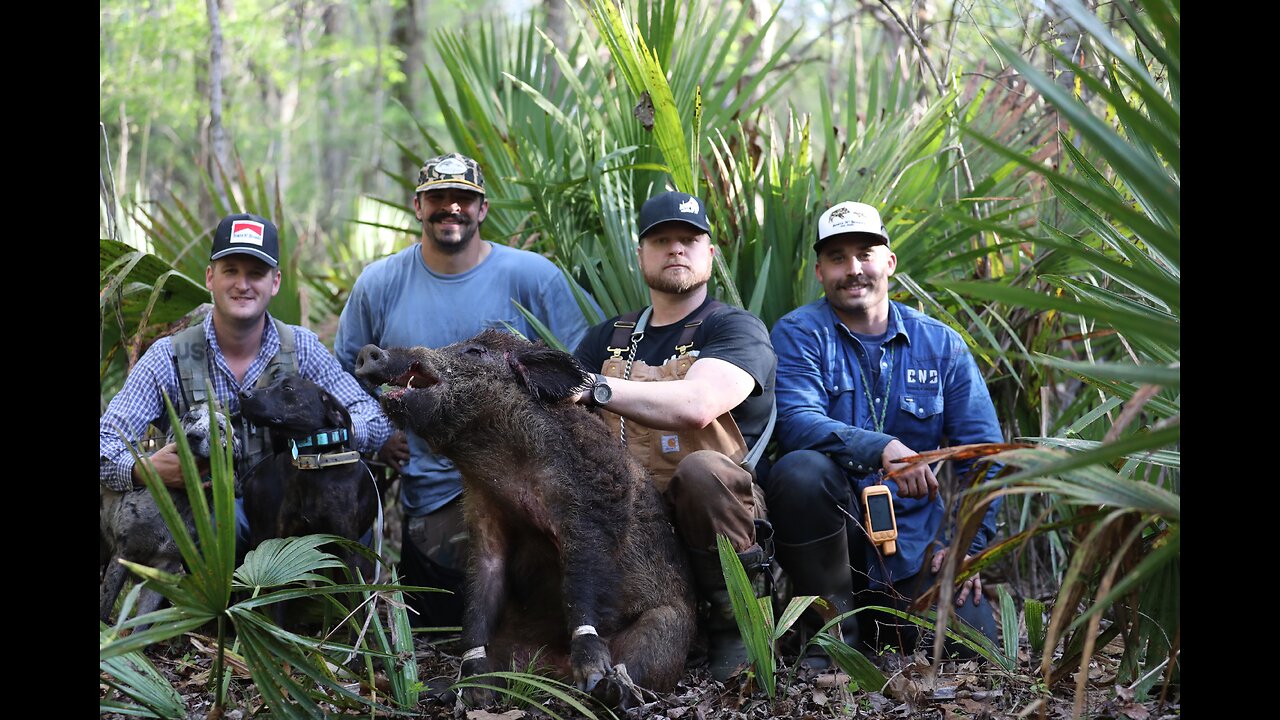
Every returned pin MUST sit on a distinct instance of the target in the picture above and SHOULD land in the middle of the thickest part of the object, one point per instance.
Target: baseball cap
(850, 217)
(247, 234)
(673, 205)
(450, 171)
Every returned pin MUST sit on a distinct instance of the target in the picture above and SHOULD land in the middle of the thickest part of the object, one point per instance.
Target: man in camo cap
(444, 289)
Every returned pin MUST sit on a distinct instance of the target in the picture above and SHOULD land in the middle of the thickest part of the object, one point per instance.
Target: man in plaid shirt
(241, 345)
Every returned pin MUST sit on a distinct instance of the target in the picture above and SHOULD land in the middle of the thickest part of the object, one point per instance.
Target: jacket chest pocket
(840, 389)
(924, 407)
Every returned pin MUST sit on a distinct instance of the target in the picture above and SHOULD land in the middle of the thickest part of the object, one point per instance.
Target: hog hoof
(478, 697)
(616, 690)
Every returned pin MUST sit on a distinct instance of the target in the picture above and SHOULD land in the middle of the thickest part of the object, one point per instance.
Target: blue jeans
(808, 496)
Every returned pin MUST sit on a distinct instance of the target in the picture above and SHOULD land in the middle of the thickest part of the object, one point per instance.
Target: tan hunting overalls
(697, 471)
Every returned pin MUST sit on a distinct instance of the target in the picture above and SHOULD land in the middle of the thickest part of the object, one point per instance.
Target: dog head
(195, 425)
(294, 406)
(437, 393)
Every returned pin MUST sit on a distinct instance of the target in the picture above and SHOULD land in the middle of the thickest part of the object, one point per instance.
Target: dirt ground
(968, 690)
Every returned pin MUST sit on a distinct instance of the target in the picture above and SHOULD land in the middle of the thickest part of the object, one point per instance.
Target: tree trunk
(335, 152)
(406, 34)
(217, 135)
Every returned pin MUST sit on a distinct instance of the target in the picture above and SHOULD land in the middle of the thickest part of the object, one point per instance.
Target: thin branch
(915, 40)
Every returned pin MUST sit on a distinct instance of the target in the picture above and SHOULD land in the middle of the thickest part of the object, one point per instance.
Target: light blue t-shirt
(399, 302)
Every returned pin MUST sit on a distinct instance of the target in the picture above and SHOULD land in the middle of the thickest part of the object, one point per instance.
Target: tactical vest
(661, 450)
(190, 351)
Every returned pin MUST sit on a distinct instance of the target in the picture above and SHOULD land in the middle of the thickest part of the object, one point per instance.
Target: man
(238, 346)
(688, 386)
(444, 289)
(863, 381)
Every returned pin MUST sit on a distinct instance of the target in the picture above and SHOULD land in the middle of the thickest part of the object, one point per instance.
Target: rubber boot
(821, 567)
(726, 652)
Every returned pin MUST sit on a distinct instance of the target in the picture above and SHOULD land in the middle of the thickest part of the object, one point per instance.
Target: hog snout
(372, 364)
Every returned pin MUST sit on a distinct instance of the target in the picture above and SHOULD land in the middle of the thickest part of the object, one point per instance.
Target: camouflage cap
(451, 171)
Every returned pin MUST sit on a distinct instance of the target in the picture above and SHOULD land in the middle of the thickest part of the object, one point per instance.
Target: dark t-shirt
(731, 334)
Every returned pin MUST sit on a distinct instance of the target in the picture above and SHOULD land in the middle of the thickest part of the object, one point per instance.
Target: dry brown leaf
(486, 715)
(819, 698)
(831, 680)
(1135, 711)
(238, 668)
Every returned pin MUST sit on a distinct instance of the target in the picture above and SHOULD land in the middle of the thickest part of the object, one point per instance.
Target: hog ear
(335, 413)
(549, 374)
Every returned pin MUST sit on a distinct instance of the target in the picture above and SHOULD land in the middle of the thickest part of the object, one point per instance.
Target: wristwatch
(601, 393)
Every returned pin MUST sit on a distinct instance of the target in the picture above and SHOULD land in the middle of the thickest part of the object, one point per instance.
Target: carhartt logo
(689, 206)
(451, 166)
(670, 443)
(922, 376)
(247, 232)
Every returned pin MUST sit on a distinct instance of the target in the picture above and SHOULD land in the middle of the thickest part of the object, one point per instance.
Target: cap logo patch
(689, 206)
(451, 166)
(247, 232)
(839, 213)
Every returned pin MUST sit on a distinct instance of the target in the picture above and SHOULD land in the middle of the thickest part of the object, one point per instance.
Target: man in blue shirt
(439, 291)
(237, 347)
(863, 381)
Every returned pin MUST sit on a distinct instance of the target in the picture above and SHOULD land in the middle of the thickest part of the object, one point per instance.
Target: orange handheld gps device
(881, 523)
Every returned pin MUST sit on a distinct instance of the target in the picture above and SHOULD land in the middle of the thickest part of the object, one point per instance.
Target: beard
(447, 242)
(682, 284)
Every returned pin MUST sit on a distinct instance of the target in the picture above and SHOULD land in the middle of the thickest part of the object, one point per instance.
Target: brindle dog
(131, 528)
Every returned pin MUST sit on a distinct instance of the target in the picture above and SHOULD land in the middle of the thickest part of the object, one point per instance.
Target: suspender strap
(285, 360)
(622, 327)
(190, 351)
(685, 343)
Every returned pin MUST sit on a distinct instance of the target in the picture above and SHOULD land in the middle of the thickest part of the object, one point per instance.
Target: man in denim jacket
(862, 381)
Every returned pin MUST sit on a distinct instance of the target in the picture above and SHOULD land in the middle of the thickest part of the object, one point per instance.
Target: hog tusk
(409, 383)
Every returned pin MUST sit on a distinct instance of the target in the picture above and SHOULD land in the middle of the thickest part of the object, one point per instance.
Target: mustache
(442, 216)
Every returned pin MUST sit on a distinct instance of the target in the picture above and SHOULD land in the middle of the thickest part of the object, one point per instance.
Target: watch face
(601, 392)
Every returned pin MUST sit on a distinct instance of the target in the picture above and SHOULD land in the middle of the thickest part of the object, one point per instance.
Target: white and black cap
(850, 218)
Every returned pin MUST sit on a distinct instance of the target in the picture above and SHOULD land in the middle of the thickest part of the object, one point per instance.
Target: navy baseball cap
(247, 234)
(673, 205)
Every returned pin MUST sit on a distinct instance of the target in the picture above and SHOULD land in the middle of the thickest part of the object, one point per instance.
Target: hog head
(440, 394)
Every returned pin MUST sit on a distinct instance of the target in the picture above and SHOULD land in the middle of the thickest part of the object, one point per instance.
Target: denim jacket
(936, 392)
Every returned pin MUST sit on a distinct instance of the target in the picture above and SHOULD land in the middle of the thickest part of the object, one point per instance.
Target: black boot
(821, 567)
(725, 650)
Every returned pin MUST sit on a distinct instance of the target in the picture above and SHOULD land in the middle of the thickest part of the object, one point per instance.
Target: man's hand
(913, 483)
(395, 451)
(972, 584)
(168, 466)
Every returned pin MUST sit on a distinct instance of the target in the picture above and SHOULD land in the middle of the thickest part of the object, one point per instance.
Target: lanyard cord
(636, 336)
(877, 423)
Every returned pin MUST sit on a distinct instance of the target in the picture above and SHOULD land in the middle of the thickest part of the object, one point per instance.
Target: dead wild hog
(571, 550)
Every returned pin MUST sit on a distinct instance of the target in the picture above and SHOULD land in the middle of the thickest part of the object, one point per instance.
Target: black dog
(131, 528)
(571, 550)
(313, 482)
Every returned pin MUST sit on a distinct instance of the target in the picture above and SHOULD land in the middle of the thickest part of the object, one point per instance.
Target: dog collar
(323, 438)
(321, 461)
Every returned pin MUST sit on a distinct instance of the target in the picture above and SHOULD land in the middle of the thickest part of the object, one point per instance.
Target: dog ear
(549, 374)
(335, 413)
